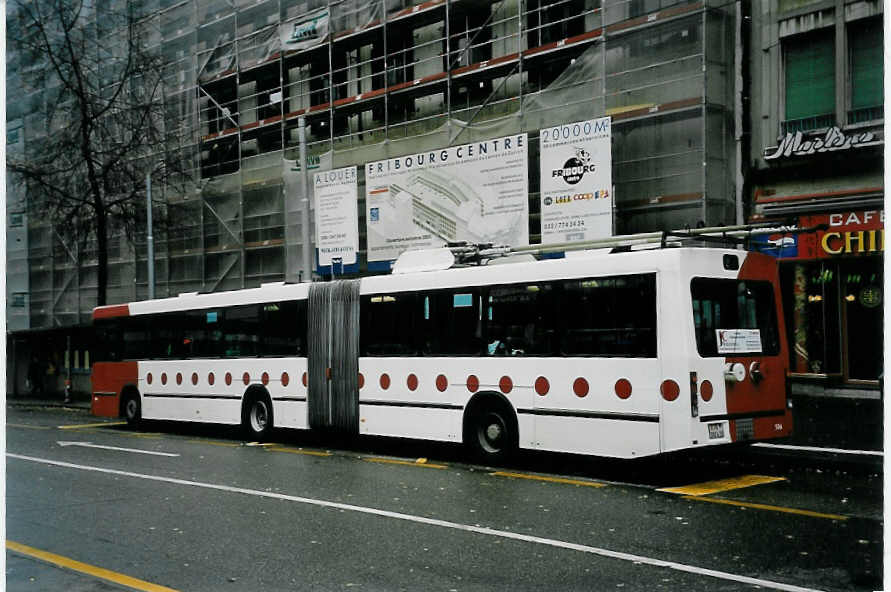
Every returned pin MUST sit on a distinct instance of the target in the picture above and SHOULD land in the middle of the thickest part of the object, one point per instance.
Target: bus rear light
(734, 372)
(706, 390)
(542, 386)
(580, 387)
(473, 383)
(623, 388)
(670, 390)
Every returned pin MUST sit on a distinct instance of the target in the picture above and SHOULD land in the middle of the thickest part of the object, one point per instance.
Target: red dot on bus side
(163, 378)
(412, 382)
(506, 384)
(285, 379)
(623, 388)
(179, 378)
(228, 378)
(210, 378)
(473, 383)
(194, 378)
(305, 379)
(265, 378)
(542, 386)
(385, 381)
(669, 389)
(361, 380)
(148, 378)
(442, 383)
(246, 378)
(580, 387)
(706, 390)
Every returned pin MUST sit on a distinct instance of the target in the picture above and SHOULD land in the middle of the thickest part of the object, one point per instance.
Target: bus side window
(456, 322)
(284, 328)
(241, 336)
(519, 320)
(388, 324)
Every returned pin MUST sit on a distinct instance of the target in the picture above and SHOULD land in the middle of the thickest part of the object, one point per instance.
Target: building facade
(378, 80)
(817, 151)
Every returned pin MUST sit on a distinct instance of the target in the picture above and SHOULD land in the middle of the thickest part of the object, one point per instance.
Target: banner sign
(576, 181)
(337, 215)
(305, 32)
(473, 192)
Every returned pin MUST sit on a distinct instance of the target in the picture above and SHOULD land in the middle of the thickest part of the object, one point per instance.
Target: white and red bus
(621, 354)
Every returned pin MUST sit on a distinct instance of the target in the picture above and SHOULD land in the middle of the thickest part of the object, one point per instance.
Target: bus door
(333, 356)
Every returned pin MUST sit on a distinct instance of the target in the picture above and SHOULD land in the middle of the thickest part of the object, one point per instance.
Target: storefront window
(833, 312)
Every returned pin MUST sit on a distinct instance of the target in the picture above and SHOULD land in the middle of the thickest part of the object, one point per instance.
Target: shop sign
(846, 233)
(833, 140)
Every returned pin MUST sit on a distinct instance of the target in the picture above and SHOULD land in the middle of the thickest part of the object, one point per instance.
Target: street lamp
(150, 239)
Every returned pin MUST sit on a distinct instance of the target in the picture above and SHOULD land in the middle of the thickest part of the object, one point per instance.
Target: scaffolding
(387, 78)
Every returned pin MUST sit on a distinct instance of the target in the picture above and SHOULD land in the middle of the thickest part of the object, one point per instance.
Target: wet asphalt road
(312, 514)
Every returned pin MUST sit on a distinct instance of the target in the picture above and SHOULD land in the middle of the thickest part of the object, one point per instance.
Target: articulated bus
(619, 354)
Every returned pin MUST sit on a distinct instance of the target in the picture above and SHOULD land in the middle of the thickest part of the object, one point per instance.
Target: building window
(18, 299)
(16, 219)
(865, 55)
(809, 81)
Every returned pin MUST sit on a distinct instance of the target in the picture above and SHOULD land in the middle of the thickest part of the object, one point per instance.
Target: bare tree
(104, 108)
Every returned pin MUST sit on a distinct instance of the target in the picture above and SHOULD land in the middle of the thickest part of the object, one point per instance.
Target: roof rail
(465, 254)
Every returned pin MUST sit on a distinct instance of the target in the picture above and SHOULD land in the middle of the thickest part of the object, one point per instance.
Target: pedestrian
(36, 376)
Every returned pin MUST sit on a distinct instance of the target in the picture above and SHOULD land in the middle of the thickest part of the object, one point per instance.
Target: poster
(475, 192)
(337, 215)
(576, 182)
(304, 32)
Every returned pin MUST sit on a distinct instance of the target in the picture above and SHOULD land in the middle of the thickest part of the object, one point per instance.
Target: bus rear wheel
(256, 417)
(132, 410)
(491, 435)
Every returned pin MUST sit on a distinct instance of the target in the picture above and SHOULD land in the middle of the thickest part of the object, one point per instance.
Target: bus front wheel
(491, 435)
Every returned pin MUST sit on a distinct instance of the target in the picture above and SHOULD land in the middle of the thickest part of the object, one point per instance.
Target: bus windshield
(734, 317)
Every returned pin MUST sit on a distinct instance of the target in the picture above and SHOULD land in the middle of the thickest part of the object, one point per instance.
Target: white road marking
(819, 449)
(137, 450)
(692, 569)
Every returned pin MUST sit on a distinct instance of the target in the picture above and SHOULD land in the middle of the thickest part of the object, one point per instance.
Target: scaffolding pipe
(306, 274)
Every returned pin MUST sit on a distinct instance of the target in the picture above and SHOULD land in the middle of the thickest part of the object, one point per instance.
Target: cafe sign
(850, 233)
(833, 140)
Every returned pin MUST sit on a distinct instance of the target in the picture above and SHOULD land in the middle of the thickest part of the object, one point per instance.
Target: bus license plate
(715, 431)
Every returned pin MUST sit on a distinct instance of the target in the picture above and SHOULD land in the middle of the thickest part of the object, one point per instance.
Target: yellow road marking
(84, 568)
(410, 463)
(715, 500)
(549, 479)
(215, 443)
(92, 425)
(722, 485)
(30, 427)
(299, 451)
